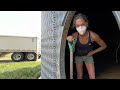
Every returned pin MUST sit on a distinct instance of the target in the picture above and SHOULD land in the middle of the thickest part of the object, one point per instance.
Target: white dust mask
(81, 29)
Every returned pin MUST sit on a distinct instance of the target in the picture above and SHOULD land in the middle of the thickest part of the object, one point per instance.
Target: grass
(19, 70)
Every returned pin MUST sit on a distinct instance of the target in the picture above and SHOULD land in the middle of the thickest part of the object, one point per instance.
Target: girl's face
(80, 22)
(80, 25)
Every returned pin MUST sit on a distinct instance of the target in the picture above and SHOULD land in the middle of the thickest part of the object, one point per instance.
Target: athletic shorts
(86, 59)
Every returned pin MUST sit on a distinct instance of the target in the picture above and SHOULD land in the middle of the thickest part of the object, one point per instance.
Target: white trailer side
(22, 47)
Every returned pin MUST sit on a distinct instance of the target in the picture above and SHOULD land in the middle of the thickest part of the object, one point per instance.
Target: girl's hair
(80, 16)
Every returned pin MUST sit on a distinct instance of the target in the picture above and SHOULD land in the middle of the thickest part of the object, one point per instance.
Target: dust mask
(81, 29)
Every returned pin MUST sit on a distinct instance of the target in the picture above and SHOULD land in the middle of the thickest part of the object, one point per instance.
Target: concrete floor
(112, 72)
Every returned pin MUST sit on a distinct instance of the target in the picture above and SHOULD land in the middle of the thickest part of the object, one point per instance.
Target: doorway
(105, 25)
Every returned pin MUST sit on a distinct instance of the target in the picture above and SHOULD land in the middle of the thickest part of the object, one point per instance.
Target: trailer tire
(39, 56)
(31, 56)
(17, 57)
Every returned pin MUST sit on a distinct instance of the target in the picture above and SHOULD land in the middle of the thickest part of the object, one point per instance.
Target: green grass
(19, 70)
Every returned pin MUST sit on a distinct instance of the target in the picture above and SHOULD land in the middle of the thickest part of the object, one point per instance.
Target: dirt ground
(112, 72)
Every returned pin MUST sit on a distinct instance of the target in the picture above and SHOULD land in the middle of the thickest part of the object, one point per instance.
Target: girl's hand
(90, 53)
(69, 38)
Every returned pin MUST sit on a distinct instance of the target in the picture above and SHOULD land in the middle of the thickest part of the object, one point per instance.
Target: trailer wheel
(31, 56)
(39, 56)
(17, 56)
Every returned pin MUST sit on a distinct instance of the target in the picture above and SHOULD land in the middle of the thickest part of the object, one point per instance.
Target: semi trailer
(23, 48)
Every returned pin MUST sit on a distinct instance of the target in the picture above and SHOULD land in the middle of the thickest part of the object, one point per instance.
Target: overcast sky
(20, 23)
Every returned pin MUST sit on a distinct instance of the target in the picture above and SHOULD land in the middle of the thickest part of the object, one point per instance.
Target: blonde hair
(80, 16)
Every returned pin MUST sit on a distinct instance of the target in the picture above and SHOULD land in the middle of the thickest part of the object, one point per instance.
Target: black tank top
(83, 49)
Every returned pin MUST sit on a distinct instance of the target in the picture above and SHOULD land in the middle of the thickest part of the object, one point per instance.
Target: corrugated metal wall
(50, 43)
(117, 16)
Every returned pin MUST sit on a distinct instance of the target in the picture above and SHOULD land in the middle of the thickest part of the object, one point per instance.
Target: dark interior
(105, 25)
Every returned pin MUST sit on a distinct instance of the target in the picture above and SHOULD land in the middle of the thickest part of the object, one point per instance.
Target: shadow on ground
(5, 61)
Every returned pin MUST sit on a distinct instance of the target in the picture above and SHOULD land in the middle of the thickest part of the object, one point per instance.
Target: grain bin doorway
(106, 24)
(56, 26)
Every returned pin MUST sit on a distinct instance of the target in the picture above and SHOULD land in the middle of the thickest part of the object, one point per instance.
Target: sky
(20, 23)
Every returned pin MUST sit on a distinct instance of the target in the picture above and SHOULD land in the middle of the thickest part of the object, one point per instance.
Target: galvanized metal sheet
(51, 27)
(117, 17)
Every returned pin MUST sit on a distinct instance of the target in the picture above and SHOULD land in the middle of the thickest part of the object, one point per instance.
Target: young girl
(84, 46)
